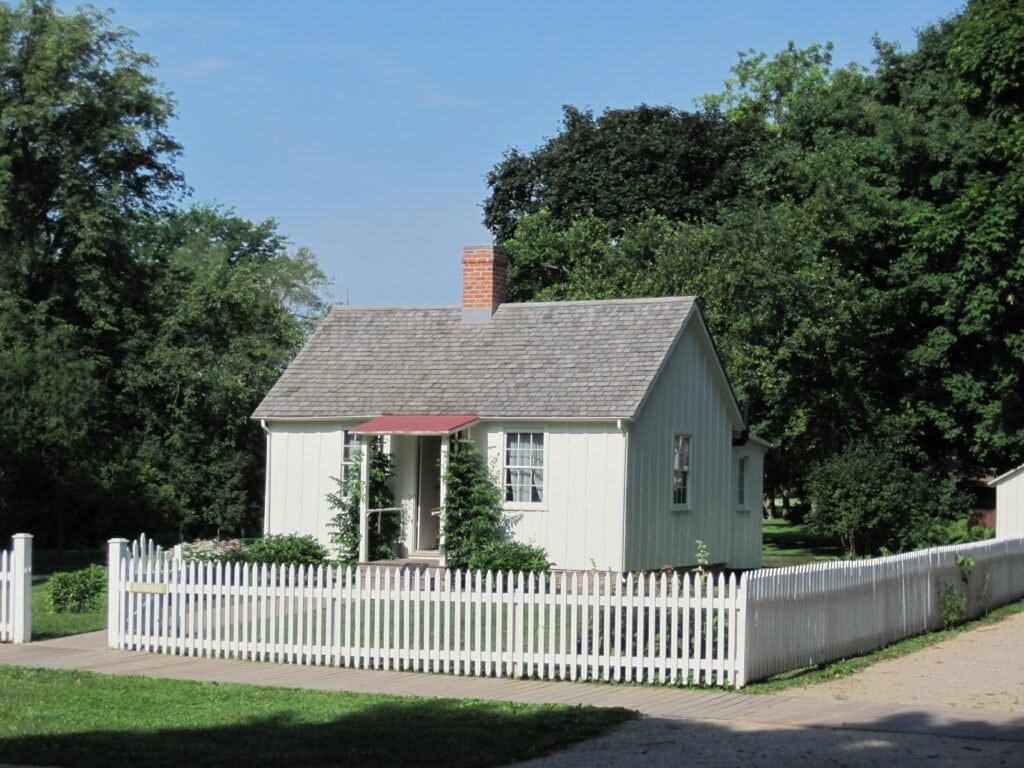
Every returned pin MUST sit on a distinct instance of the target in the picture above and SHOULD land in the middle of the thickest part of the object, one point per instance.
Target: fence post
(116, 549)
(22, 588)
(740, 674)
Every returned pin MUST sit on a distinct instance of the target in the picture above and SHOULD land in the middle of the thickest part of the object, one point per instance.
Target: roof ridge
(513, 304)
(592, 302)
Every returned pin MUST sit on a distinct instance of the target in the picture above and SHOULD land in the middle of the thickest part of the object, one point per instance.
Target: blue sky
(367, 129)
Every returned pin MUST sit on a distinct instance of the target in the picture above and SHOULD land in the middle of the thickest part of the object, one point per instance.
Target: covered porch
(419, 444)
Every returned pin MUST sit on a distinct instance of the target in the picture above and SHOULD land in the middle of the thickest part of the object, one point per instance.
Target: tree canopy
(136, 336)
(854, 235)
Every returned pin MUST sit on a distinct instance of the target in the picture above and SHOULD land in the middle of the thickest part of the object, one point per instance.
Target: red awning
(415, 424)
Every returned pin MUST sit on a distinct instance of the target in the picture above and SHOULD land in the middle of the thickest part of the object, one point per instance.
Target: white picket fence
(16, 590)
(653, 628)
(806, 615)
(656, 628)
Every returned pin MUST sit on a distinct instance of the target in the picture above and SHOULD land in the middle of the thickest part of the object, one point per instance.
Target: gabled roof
(566, 359)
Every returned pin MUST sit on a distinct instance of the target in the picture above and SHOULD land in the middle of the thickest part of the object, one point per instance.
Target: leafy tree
(872, 498)
(865, 265)
(84, 156)
(472, 505)
(620, 164)
(230, 307)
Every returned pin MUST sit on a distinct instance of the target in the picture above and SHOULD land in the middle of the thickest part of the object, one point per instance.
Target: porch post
(364, 500)
(442, 560)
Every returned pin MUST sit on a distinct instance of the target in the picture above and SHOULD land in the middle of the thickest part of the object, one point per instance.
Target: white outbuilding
(610, 426)
(1010, 503)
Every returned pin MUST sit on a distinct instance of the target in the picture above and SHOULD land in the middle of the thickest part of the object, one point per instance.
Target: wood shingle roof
(573, 359)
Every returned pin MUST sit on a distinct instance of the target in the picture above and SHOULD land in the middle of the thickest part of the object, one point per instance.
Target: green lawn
(789, 544)
(57, 717)
(47, 624)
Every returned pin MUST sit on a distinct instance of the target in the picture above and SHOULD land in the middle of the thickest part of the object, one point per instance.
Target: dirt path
(983, 668)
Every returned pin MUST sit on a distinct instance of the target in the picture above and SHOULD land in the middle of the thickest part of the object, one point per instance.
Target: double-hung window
(349, 445)
(681, 471)
(524, 467)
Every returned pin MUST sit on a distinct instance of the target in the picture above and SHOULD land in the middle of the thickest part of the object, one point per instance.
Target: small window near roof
(524, 467)
(681, 471)
(741, 489)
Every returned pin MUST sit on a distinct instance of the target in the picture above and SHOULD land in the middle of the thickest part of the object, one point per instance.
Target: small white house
(610, 425)
(1010, 503)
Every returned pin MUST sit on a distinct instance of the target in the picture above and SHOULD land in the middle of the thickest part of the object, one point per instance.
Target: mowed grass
(789, 544)
(801, 678)
(47, 623)
(68, 718)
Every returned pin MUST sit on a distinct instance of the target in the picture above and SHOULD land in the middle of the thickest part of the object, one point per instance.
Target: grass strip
(48, 624)
(801, 678)
(71, 718)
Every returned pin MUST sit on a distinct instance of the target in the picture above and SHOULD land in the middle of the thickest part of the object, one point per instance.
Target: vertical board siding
(689, 397)
(808, 615)
(302, 460)
(1010, 507)
(559, 626)
(580, 522)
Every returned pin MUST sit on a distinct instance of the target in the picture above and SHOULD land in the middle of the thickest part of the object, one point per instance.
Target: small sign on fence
(145, 588)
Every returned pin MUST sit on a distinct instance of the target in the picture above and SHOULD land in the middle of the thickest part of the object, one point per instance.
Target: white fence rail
(806, 615)
(569, 626)
(16, 591)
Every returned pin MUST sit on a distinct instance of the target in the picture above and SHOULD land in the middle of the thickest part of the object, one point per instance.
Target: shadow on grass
(461, 734)
(392, 733)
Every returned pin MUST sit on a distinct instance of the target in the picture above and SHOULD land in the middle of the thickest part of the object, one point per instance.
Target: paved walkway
(88, 652)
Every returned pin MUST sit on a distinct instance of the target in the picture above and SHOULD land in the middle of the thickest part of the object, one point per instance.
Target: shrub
(288, 549)
(960, 532)
(872, 496)
(509, 556)
(79, 591)
(472, 505)
(345, 523)
(216, 550)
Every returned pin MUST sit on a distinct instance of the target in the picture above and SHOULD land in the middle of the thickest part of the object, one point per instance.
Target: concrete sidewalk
(89, 652)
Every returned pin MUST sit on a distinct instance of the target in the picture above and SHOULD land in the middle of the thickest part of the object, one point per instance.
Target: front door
(428, 495)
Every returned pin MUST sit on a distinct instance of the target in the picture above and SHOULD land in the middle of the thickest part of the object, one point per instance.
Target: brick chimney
(483, 281)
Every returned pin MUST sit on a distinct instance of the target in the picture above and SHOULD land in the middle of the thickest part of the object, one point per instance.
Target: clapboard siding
(580, 521)
(690, 397)
(302, 459)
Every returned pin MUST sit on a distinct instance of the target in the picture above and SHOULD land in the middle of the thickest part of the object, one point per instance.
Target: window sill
(681, 509)
(523, 506)
(743, 509)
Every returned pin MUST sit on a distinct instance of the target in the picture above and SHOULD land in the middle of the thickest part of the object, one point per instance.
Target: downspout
(266, 481)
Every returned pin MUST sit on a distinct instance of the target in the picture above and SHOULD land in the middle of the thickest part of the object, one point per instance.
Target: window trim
(503, 466)
(686, 505)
